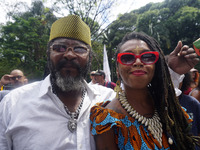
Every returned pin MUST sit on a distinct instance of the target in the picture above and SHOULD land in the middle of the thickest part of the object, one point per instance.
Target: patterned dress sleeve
(102, 119)
(186, 115)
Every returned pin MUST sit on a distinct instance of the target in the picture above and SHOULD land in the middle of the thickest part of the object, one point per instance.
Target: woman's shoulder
(109, 106)
(115, 105)
(105, 115)
(105, 108)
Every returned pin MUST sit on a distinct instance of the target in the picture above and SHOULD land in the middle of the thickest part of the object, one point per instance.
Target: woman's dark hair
(175, 124)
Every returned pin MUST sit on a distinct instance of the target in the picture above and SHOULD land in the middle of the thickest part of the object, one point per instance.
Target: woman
(146, 114)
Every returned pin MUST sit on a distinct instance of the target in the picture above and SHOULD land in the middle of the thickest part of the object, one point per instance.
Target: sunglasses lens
(80, 50)
(19, 77)
(13, 78)
(148, 58)
(16, 77)
(59, 48)
(127, 59)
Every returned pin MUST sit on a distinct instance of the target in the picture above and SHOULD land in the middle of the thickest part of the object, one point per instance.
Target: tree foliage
(29, 31)
(23, 41)
(95, 13)
(168, 22)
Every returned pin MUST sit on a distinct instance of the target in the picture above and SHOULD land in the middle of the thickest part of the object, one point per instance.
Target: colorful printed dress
(129, 133)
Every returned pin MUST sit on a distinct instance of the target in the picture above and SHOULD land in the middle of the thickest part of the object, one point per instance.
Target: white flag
(106, 67)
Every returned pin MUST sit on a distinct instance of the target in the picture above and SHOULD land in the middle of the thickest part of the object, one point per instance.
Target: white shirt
(33, 118)
(176, 79)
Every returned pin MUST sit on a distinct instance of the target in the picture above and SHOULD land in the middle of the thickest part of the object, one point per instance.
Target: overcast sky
(123, 7)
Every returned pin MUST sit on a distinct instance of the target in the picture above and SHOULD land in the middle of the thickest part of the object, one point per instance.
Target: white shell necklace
(153, 124)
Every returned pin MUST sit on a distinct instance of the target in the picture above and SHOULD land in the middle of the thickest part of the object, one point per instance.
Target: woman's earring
(149, 85)
(117, 88)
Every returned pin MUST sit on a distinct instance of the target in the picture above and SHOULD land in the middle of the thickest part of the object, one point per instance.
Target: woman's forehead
(134, 44)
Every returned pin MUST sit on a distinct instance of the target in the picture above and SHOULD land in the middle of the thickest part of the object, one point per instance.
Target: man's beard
(68, 83)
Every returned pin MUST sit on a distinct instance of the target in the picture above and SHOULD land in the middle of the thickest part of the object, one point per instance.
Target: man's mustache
(64, 63)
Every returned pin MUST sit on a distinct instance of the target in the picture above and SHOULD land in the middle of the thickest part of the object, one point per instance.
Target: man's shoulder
(28, 89)
(100, 88)
(24, 94)
(101, 93)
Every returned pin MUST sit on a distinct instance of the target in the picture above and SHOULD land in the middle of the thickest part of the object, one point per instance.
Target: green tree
(114, 34)
(95, 13)
(184, 25)
(168, 22)
(153, 22)
(23, 41)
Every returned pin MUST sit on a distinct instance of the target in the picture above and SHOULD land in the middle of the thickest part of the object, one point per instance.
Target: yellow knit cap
(71, 27)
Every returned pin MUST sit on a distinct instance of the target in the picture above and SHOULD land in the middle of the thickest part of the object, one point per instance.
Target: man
(92, 78)
(54, 113)
(99, 78)
(8, 82)
(195, 77)
(15, 79)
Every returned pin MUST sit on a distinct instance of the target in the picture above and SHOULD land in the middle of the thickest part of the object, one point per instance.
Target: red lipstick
(138, 72)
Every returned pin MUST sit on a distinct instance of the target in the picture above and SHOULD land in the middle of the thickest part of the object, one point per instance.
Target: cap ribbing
(71, 27)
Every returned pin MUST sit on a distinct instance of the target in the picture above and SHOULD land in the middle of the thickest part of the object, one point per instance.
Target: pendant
(72, 124)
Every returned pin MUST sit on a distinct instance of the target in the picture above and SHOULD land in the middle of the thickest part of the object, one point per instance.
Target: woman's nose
(138, 62)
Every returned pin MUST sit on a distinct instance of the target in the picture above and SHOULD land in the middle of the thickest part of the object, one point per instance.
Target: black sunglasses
(16, 77)
(77, 50)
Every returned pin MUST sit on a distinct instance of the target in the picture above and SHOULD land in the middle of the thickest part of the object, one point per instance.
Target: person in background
(146, 114)
(92, 78)
(99, 78)
(185, 86)
(13, 80)
(192, 81)
(196, 91)
(191, 105)
(195, 77)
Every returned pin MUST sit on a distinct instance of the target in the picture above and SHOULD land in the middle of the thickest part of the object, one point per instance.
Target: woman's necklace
(153, 124)
(72, 123)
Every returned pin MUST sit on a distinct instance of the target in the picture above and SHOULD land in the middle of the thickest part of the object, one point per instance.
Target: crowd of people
(63, 111)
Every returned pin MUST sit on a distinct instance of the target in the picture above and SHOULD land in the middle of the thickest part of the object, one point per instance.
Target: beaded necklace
(153, 124)
(72, 123)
